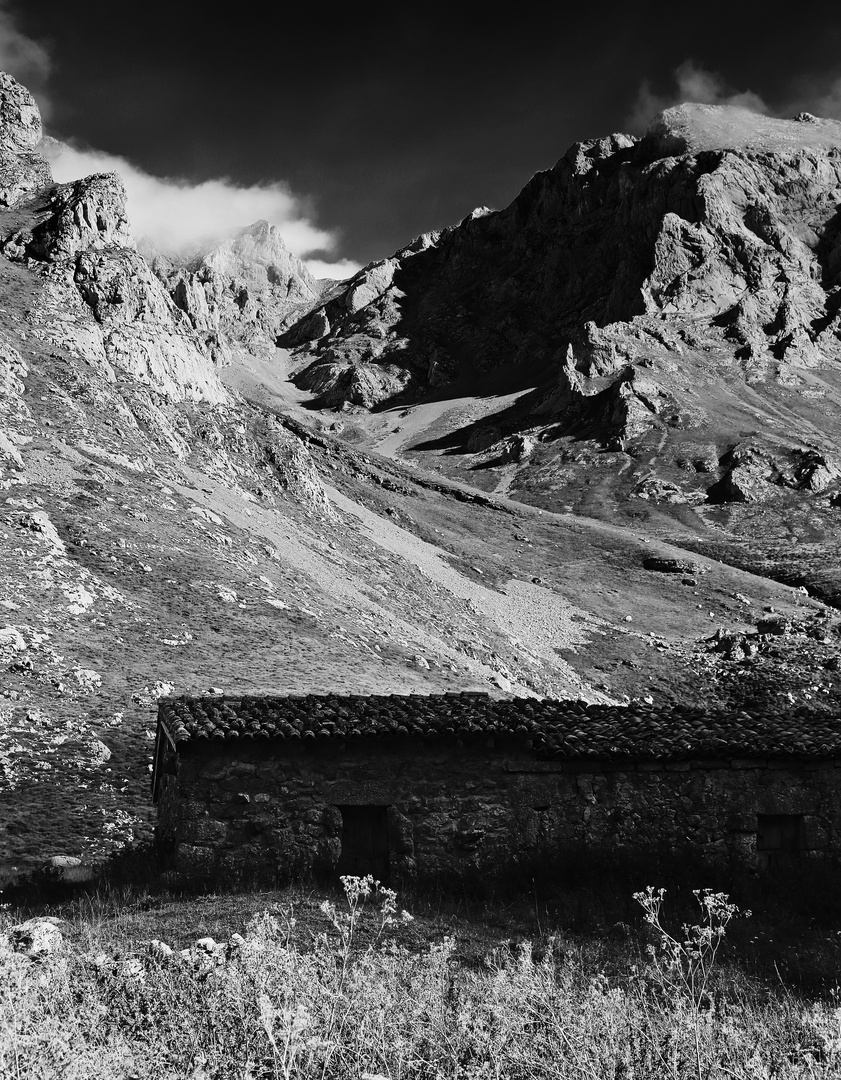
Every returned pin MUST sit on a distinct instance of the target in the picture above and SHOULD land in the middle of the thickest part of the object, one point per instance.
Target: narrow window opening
(365, 847)
(778, 840)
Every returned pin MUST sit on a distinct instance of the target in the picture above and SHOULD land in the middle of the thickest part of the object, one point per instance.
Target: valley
(187, 506)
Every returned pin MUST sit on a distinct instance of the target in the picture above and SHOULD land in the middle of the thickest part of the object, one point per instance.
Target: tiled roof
(568, 729)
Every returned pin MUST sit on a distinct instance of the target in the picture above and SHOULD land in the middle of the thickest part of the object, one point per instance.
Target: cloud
(694, 84)
(182, 217)
(27, 60)
(176, 215)
(341, 269)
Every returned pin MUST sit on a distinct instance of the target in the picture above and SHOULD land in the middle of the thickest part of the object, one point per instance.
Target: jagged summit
(259, 245)
(692, 129)
(242, 293)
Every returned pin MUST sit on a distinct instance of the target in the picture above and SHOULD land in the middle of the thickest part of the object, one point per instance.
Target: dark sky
(397, 119)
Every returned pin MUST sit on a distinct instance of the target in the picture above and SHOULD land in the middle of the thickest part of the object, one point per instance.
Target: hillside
(168, 524)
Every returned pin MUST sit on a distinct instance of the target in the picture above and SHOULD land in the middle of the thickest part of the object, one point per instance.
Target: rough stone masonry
(427, 786)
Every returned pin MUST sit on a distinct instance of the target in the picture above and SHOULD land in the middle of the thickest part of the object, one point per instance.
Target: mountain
(651, 327)
(162, 531)
(718, 232)
(242, 293)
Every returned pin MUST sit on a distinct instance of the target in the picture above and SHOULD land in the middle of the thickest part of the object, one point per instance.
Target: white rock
(98, 751)
(38, 937)
(68, 869)
(11, 639)
(87, 678)
(160, 950)
(9, 451)
(80, 599)
(39, 521)
(207, 515)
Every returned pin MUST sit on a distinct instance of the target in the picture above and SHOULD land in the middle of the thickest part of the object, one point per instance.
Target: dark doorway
(778, 840)
(364, 841)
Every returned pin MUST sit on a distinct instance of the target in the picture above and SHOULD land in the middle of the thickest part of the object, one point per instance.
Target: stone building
(434, 785)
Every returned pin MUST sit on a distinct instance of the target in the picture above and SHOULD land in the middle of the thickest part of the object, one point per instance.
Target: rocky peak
(22, 170)
(259, 254)
(241, 294)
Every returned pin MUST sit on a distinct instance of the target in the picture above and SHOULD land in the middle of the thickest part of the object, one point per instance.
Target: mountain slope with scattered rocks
(161, 534)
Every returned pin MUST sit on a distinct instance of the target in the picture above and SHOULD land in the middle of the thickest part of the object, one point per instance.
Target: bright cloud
(693, 84)
(343, 268)
(176, 215)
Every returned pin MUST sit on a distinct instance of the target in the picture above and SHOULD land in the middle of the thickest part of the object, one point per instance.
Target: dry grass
(357, 992)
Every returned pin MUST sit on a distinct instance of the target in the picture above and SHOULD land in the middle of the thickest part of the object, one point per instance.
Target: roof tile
(570, 729)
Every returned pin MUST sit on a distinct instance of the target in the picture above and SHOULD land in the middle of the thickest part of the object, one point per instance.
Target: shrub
(358, 998)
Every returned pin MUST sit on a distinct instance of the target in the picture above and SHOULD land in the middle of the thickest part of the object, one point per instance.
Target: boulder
(663, 565)
(11, 640)
(38, 938)
(67, 870)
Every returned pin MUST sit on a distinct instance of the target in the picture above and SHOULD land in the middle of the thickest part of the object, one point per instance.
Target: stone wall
(272, 807)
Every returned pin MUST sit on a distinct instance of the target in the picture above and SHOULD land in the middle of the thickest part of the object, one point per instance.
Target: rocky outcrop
(242, 294)
(291, 464)
(86, 215)
(78, 235)
(145, 335)
(354, 329)
(22, 170)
